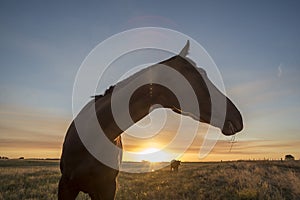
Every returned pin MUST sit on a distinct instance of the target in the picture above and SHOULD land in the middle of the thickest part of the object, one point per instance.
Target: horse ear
(183, 53)
(185, 49)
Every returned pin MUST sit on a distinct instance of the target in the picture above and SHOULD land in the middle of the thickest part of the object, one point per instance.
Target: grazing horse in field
(81, 171)
(174, 165)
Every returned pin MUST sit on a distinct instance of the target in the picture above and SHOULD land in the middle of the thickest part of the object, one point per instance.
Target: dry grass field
(28, 179)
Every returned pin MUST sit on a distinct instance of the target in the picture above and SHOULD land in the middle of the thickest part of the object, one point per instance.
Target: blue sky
(255, 44)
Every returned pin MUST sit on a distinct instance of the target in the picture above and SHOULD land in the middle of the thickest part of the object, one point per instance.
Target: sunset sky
(255, 44)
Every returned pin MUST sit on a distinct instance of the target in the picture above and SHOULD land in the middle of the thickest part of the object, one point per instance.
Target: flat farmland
(38, 179)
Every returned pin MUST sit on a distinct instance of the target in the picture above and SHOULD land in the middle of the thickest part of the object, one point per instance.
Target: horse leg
(65, 190)
(95, 196)
(110, 190)
(104, 191)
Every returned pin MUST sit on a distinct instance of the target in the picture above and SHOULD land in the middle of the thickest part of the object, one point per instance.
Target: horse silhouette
(174, 165)
(81, 171)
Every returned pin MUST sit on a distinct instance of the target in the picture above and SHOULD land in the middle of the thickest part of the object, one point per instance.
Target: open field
(26, 179)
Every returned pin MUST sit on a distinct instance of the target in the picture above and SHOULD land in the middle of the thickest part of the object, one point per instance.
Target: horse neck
(113, 115)
(114, 121)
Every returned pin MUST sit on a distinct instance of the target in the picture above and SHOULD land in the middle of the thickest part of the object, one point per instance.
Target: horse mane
(183, 53)
(107, 91)
(111, 88)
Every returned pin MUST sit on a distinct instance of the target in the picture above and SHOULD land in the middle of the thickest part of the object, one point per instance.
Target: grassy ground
(25, 179)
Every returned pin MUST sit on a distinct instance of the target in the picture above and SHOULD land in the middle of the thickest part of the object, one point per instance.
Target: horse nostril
(239, 126)
(231, 127)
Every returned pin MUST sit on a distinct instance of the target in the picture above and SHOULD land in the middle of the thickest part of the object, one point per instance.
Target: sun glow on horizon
(152, 154)
(149, 150)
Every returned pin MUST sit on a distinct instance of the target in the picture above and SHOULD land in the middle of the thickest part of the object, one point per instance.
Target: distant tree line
(22, 158)
(6, 158)
(286, 158)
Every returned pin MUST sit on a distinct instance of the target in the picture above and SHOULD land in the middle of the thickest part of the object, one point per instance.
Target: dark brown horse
(174, 165)
(81, 171)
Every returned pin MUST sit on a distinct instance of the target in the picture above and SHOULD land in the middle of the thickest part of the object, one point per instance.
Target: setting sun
(149, 150)
(153, 155)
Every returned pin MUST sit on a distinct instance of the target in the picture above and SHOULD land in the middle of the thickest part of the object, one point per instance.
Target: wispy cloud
(30, 131)
(16, 97)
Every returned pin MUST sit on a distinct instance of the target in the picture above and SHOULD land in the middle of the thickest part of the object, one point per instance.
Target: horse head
(215, 107)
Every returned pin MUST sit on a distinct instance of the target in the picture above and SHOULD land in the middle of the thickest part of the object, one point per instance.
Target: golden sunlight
(153, 155)
(149, 150)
